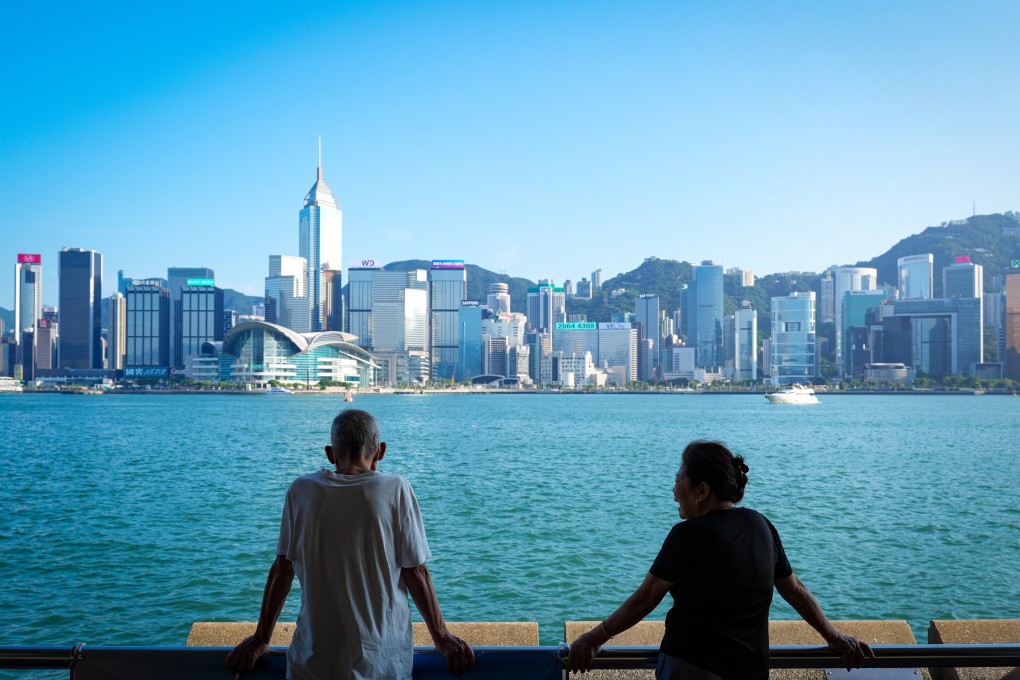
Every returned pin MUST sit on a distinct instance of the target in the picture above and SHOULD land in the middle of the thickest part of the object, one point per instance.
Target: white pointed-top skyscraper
(320, 234)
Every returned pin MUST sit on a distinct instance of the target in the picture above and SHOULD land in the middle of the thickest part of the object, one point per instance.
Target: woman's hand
(582, 653)
(851, 650)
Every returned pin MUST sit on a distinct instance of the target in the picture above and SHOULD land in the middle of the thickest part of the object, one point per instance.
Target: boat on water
(8, 384)
(793, 394)
(278, 390)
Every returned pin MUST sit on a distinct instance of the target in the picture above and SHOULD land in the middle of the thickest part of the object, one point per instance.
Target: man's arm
(459, 655)
(281, 576)
(851, 650)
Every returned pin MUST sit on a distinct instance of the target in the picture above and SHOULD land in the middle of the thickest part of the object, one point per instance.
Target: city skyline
(763, 138)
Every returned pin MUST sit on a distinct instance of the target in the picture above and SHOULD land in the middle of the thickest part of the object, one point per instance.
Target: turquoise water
(126, 518)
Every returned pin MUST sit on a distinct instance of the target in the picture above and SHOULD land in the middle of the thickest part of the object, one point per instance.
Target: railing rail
(780, 656)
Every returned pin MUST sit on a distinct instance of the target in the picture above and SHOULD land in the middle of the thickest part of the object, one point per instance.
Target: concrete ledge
(483, 634)
(649, 633)
(982, 632)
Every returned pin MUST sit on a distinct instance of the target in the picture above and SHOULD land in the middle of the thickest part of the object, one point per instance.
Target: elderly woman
(720, 565)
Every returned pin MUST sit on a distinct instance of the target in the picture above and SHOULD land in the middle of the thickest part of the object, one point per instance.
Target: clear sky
(541, 139)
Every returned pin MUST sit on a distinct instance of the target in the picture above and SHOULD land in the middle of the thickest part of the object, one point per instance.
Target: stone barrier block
(983, 632)
(485, 634)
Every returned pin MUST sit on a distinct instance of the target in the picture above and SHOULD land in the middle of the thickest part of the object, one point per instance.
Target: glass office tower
(81, 294)
(793, 339)
(705, 313)
(320, 230)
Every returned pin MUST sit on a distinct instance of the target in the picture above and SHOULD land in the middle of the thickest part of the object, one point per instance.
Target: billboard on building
(146, 372)
(201, 282)
(29, 258)
(364, 264)
(447, 264)
(576, 326)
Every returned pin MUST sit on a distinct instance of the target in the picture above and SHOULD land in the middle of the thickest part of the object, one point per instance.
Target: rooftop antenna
(320, 157)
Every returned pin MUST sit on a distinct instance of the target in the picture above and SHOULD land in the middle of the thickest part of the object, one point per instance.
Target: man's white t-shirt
(348, 536)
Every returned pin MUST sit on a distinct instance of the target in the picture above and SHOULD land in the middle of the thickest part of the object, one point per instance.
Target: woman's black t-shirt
(723, 567)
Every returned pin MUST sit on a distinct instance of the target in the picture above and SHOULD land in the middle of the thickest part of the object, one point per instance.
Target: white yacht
(278, 390)
(8, 384)
(793, 394)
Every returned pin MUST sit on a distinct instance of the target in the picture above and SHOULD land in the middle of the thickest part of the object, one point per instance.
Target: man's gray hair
(354, 435)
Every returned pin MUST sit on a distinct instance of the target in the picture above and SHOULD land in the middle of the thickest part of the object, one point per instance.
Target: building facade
(81, 294)
(117, 336)
(963, 279)
(745, 343)
(320, 233)
(286, 298)
(794, 359)
(705, 313)
(199, 319)
(177, 278)
(447, 289)
(846, 279)
(646, 312)
(147, 342)
(914, 274)
(1011, 326)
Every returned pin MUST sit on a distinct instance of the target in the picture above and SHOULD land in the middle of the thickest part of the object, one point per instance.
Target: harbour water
(126, 518)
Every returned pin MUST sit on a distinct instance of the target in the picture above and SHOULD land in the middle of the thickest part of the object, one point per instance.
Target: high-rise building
(964, 280)
(826, 299)
(646, 311)
(705, 313)
(511, 326)
(914, 277)
(745, 343)
(81, 295)
(177, 278)
(848, 279)
(117, 345)
(1011, 326)
(359, 304)
(400, 318)
(546, 306)
(498, 300)
(583, 289)
(27, 293)
(946, 336)
(447, 289)
(332, 300)
(200, 319)
(287, 293)
(596, 279)
(793, 355)
(147, 347)
(319, 242)
(857, 338)
(47, 334)
(469, 319)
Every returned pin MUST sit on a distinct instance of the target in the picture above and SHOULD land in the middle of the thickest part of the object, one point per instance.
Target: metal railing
(780, 656)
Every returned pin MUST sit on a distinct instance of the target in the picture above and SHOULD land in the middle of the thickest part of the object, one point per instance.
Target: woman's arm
(636, 607)
(851, 650)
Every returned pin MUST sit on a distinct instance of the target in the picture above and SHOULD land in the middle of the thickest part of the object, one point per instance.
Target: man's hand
(582, 653)
(242, 658)
(460, 658)
(851, 650)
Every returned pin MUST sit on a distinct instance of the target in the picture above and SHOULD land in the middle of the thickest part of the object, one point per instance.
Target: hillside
(478, 282)
(992, 241)
(239, 302)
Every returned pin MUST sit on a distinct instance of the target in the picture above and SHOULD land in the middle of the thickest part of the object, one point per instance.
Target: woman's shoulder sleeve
(673, 554)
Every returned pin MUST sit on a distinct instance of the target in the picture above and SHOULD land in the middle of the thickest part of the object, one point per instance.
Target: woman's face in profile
(683, 494)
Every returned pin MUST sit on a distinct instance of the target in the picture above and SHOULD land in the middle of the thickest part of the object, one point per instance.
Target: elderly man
(355, 538)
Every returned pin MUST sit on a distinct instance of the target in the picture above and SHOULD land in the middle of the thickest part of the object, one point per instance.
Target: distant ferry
(278, 390)
(8, 384)
(794, 394)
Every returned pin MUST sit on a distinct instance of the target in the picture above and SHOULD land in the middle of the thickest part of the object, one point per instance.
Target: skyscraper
(646, 312)
(27, 297)
(319, 241)
(705, 313)
(177, 278)
(447, 289)
(287, 293)
(332, 300)
(1011, 326)
(201, 318)
(498, 300)
(914, 277)
(963, 279)
(848, 279)
(546, 306)
(793, 339)
(745, 343)
(117, 345)
(81, 293)
(359, 304)
(147, 346)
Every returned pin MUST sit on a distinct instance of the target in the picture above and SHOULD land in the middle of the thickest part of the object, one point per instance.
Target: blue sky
(542, 139)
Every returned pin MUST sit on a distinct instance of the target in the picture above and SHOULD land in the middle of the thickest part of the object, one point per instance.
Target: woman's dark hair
(714, 464)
